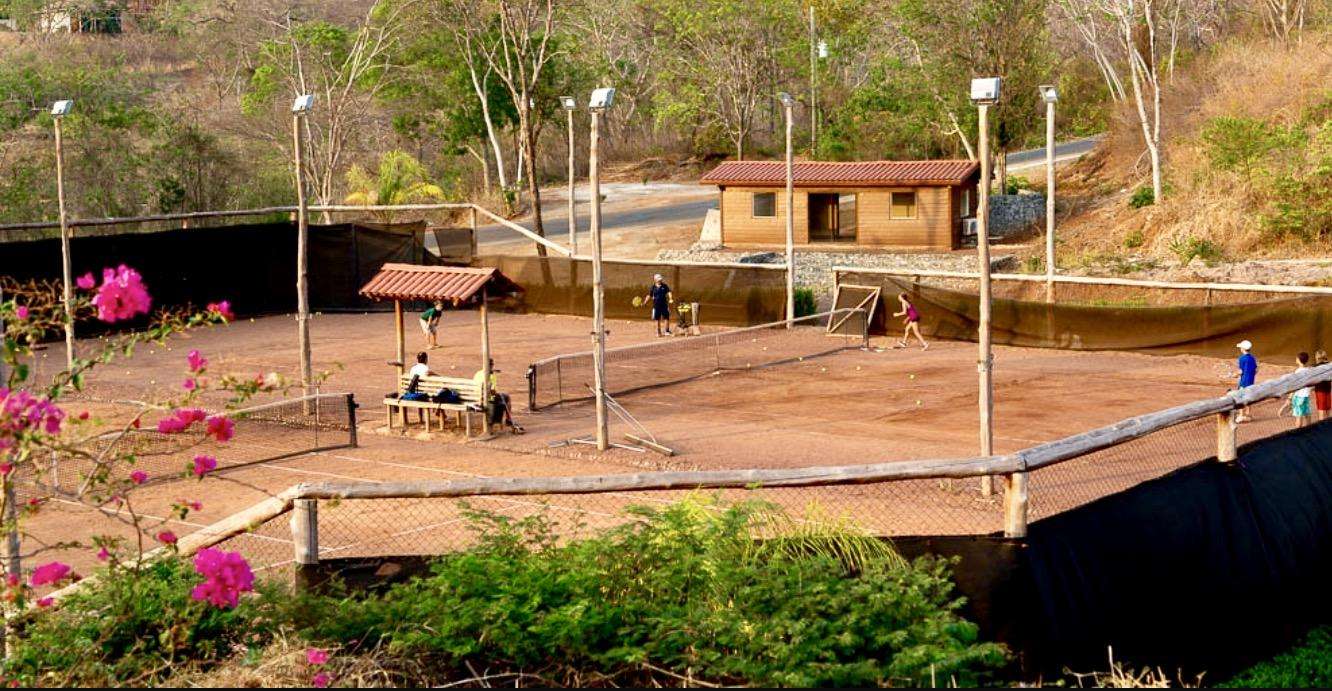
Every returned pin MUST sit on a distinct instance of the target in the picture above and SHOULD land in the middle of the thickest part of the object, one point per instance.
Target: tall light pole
(817, 49)
(787, 104)
(58, 112)
(299, 108)
(570, 105)
(601, 100)
(1050, 95)
(985, 93)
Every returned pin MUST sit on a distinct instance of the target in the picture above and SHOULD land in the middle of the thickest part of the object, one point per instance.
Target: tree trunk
(534, 189)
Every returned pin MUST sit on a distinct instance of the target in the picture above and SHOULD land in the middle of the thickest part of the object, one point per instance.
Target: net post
(351, 421)
(532, 385)
(1225, 437)
(305, 540)
(1015, 505)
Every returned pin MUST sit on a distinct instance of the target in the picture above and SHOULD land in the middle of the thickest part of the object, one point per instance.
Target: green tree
(399, 179)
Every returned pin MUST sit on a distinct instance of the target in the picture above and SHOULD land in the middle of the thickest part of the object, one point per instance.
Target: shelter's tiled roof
(839, 174)
(445, 283)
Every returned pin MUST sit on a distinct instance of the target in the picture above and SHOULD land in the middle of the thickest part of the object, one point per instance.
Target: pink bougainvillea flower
(180, 420)
(222, 309)
(122, 295)
(21, 312)
(316, 656)
(197, 361)
(12, 579)
(21, 412)
(6, 469)
(86, 281)
(45, 602)
(138, 477)
(103, 555)
(83, 415)
(48, 573)
(34, 501)
(204, 465)
(221, 428)
(193, 505)
(321, 680)
(226, 576)
(190, 384)
(167, 537)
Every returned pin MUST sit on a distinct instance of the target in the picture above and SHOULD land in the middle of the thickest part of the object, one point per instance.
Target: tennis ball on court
(911, 376)
(857, 368)
(917, 401)
(823, 369)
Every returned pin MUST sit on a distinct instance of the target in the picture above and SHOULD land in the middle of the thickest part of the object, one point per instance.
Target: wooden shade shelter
(452, 284)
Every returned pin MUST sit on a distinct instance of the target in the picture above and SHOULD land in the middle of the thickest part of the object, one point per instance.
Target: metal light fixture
(569, 103)
(823, 49)
(602, 98)
(985, 90)
(303, 103)
(61, 108)
(785, 98)
(1049, 93)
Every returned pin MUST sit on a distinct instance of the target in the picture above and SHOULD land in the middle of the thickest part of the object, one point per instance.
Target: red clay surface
(848, 408)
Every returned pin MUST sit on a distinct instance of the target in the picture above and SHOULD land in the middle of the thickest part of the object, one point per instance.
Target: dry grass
(1120, 677)
(1251, 78)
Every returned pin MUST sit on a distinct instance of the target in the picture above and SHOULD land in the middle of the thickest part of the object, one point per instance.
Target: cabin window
(765, 204)
(904, 205)
(965, 209)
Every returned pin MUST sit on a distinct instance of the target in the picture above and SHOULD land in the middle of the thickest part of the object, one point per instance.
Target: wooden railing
(1093, 280)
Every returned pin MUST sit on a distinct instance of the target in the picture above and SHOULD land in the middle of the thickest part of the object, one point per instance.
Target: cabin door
(822, 217)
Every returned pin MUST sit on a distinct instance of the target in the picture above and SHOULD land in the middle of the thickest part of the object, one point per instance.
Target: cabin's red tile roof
(838, 174)
(445, 283)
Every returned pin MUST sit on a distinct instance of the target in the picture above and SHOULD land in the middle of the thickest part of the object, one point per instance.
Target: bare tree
(522, 51)
(477, 44)
(1284, 18)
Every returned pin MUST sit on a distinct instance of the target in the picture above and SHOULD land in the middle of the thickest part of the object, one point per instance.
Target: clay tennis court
(851, 406)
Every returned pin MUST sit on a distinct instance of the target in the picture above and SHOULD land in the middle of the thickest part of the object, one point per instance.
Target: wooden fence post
(1015, 505)
(351, 421)
(305, 540)
(1225, 436)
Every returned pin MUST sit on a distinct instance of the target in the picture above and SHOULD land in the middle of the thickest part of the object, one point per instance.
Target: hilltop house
(915, 204)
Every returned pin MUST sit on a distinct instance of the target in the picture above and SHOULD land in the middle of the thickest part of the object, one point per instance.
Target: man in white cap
(660, 297)
(1248, 372)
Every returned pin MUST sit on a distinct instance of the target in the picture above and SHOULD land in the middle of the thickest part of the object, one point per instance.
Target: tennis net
(569, 378)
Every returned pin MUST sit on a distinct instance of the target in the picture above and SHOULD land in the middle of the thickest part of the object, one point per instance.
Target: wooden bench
(469, 401)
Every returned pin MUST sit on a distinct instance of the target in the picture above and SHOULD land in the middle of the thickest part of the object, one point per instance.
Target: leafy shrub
(1186, 248)
(1015, 184)
(1142, 197)
(1134, 239)
(805, 303)
(685, 590)
(1307, 665)
(1241, 144)
(132, 631)
(1033, 265)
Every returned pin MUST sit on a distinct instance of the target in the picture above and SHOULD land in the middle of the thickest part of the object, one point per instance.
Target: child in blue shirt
(1248, 372)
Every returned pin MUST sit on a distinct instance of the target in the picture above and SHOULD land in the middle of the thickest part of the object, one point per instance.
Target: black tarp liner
(733, 296)
(1206, 570)
(1128, 320)
(252, 265)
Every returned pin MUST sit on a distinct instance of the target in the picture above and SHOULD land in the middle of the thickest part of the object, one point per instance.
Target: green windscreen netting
(1156, 320)
(730, 295)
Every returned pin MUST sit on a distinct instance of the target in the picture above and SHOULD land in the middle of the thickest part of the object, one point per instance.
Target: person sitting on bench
(419, 370)
(500, 407)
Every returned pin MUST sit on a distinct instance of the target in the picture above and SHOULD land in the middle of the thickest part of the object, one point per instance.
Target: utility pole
(569, 106)
(787, 104)
(601, 100)
(1050, 95)
(984, 93)
(298, 110)
(58, 112)
(813, 85)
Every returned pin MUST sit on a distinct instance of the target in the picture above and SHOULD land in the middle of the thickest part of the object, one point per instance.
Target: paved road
(622, 212)
(1066, 151)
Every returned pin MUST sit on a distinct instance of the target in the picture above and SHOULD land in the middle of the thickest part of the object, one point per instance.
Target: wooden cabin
(881, 204)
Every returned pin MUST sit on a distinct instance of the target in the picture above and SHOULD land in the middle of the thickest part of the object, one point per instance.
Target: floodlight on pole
(985, 93)
(823, 49)
(1050, 95)
(601, 100)
(570, 104)
(787, 104)
(299, 108)
(59, 110)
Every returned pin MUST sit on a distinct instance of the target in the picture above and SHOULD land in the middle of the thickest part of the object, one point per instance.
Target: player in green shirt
(430, 324)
